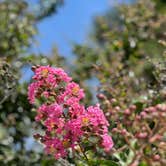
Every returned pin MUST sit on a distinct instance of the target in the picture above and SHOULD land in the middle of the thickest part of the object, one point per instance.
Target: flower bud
(123, 132)
(163, 114)
(33, 68)
(156, 157)
(132, 107)
(161, 107)
(143, 114)
(117, 108)
(138, 117)
(100, 96)
(156, 137)
(142, 135)
(113, 100)
(115, 130)
(37, 136)
(127, 112)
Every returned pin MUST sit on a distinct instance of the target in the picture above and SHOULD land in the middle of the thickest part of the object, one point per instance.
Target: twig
(82, 150)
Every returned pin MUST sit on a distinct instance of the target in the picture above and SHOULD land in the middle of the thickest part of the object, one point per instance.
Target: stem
(128, 142)
(82, 150)
(120, 149)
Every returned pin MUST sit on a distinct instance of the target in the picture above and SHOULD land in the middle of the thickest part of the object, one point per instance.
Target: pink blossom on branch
(65, 120)
(107, 142)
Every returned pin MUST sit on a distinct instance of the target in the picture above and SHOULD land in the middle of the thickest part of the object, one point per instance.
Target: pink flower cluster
(153, 112)
(67, 122)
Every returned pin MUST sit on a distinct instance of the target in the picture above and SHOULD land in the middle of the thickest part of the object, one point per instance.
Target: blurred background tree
(17, 29)
(126, 58)
(119, 52)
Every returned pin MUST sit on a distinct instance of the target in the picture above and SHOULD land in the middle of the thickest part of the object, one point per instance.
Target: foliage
(47, 7)
(17, 30)
(119, 55)
(127, 59)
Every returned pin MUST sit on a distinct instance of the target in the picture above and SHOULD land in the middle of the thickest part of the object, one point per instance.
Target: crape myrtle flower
(66, 121)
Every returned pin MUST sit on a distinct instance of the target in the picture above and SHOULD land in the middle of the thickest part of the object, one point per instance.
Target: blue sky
(71, 24)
